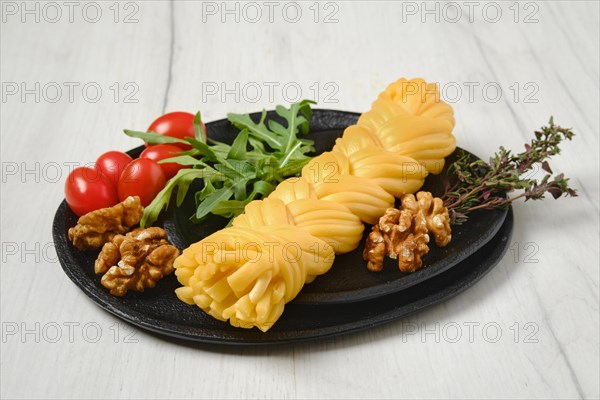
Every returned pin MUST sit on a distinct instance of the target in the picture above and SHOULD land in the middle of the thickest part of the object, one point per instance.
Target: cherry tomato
(142, 177)
(87, 189)
(160, 152)
(112, 164)
(176, 124)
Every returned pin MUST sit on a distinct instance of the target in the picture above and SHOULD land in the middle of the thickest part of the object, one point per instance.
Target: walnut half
(403, 233)
(375, 250)
(136, 261)
(98, 227)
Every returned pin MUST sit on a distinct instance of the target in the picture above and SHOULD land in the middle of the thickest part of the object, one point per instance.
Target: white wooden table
(75, 74)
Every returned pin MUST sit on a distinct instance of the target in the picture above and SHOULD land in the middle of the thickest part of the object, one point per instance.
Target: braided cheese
(246, 273)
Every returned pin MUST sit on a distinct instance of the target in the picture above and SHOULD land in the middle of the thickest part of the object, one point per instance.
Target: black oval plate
(348, 280)
(318, 313)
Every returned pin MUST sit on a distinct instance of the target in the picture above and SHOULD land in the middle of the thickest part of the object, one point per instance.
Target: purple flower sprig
(476, 185)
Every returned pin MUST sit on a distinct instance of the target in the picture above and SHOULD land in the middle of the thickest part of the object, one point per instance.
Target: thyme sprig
(477, 185)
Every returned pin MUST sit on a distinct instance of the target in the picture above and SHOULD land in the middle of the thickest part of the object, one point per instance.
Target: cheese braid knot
(410, 119)
(246, 275)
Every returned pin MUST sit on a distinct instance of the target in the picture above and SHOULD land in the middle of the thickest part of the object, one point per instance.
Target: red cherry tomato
(176, 124)
(87, 189)
(142, 177)
(112, 164)
(160, 152)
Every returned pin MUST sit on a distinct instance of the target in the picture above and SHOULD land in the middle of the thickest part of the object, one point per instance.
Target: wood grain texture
(57, 344)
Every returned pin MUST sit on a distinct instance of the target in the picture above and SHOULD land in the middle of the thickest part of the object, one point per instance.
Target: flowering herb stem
(476, 185)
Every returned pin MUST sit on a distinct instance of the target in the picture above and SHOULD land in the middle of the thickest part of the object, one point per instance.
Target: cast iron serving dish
(346, 299)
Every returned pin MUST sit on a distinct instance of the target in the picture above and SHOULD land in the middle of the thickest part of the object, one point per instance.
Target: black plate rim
(174, 331)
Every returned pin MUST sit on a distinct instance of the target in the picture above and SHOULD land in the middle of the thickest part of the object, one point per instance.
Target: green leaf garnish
(152, 137)
(181, 181)
(239, 147)
(263, 154)
(199, 133)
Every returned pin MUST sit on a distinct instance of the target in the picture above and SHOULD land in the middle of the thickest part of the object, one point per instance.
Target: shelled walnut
(135, 261)
(434, 212)
(403, 233)
(98, 227)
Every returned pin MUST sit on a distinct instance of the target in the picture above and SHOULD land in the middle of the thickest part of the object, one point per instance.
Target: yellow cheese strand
(326, 220)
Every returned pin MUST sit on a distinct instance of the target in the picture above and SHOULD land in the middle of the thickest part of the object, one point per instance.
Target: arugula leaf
(256, 144)
(278, 137)
(229, 174)
(292, 168)
(239, 147)
(202, 149)
(153, 137)
(183, 160)
(212, 199)
(258, 130)
(181, 181)
(229, 208)
(263, 154)
(290, 154)
(232, 208)
(206, 190)
(297, 115)
(199, 133)
(261, 187)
